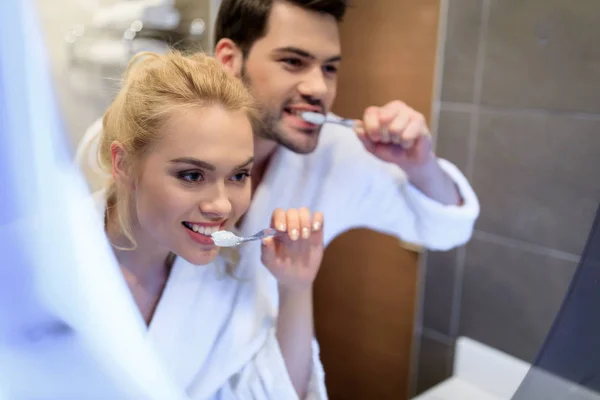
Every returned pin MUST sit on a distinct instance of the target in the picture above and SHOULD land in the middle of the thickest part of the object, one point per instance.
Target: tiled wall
(520, 114)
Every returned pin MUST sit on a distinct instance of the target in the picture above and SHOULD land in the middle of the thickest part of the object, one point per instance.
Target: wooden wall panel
(365, 294)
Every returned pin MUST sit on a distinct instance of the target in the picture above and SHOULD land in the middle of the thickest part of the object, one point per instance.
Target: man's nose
(314, 84)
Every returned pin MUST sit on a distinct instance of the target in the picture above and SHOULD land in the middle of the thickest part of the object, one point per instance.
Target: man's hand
(398, 134)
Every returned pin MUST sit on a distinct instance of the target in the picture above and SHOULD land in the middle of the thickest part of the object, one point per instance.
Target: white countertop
(484, 373)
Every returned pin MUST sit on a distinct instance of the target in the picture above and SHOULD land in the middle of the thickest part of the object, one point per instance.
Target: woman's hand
(295, 257)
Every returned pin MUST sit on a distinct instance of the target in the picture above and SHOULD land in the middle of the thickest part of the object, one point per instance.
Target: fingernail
(316, 226)
(305, 233)
(294, 234)
(282, 227)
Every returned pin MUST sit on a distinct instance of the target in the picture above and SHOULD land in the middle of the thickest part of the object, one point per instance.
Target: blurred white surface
(69, 328)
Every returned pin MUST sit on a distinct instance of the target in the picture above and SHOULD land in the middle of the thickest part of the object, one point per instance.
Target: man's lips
(295, 112)
(304, 107)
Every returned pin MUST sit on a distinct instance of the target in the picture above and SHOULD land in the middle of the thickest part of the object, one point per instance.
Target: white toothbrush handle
(345, 122)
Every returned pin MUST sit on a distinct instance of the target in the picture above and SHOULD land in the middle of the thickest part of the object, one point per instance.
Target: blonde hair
(154, 86)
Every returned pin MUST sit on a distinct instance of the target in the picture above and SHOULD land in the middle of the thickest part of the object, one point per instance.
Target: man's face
(292, 69)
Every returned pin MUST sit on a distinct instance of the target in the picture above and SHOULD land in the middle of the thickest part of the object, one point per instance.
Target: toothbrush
(320, 119)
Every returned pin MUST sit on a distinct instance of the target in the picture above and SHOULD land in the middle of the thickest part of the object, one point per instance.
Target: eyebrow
(195, 162)
(250, 160)
(203, 164)
(302, 53)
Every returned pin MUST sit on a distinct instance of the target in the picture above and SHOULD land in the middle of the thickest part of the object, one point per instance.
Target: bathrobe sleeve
(381, 198)
(265, 377)
(416, 218)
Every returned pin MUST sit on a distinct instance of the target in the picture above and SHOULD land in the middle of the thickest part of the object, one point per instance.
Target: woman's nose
(218, 204)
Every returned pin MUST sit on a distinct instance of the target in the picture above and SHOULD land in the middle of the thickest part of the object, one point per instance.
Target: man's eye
(293, 62)
(330, 69)
(191, 176)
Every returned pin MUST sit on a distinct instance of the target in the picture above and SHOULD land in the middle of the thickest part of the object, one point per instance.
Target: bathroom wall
(519, 111)
(84, 93)
(78, 92)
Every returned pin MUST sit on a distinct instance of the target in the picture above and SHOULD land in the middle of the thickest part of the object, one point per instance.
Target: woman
(178, 144)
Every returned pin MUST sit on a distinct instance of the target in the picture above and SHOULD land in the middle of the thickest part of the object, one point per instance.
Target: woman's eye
(240, 177)
(191, 176)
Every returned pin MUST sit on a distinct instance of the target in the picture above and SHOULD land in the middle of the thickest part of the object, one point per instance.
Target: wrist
(435, 183)
(293, 292)
(424, 173)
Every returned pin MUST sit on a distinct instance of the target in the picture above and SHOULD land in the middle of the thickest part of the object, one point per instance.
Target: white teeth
(297, 113)
(205, 230)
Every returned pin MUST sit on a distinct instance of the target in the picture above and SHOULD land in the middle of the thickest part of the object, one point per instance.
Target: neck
(145, 265)
(263, 151)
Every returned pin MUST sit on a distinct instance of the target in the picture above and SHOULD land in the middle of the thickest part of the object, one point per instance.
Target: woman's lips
(200, 233)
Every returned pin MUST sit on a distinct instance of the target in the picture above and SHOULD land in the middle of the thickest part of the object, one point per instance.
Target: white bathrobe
(216, 336)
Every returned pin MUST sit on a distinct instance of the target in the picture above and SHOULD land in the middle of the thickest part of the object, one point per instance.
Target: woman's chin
(200, 257)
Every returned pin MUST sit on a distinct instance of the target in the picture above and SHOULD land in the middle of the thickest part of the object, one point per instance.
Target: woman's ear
(121, 170)
(230, 56)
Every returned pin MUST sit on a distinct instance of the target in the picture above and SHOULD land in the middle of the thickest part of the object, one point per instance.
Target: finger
(387, 115)
(293, 224)
(268, 252)
(279, 220)
(397, 127)
(371, 123)
(317, 221)
(359, 129)
(413, 131)
(305, 222)
(317, 227)
(391, 110)
(385, 135)
(418, 127)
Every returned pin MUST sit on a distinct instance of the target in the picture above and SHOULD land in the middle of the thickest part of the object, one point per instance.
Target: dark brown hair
(245, 21)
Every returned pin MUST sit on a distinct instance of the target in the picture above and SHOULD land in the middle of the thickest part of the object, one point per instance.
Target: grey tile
(543, 54)
(435, 362)
(460, 52)
(511, 296)
(452, 138)
(439, 290)
(537, 177)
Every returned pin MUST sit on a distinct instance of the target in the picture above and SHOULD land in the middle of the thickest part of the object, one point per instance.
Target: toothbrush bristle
(313, 117)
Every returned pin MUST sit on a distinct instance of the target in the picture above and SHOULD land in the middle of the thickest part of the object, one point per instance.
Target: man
(382, 176)
(288, 53)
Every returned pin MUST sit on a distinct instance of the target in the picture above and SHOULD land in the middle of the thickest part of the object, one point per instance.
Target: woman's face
(194, 181)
